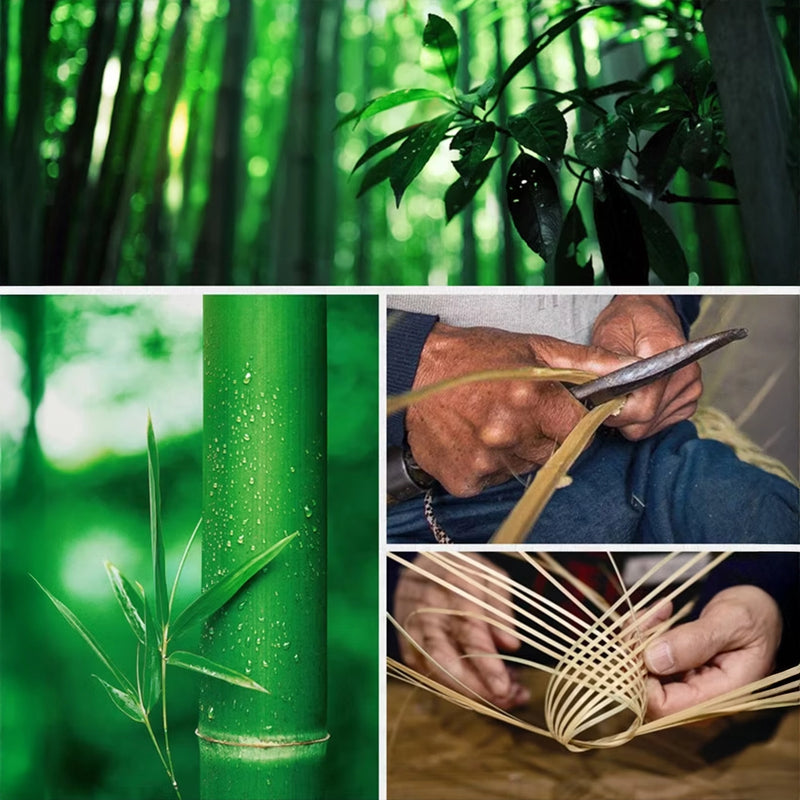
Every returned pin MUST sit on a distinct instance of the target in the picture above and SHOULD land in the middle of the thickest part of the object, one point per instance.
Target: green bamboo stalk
(264, 477)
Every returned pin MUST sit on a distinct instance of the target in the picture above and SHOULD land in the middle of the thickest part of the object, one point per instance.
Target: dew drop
(307, 511)
(247, 378)
(211, 712)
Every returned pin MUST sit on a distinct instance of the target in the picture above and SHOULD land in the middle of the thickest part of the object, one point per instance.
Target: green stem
(264, 476)
(171, 768)
(170, 773)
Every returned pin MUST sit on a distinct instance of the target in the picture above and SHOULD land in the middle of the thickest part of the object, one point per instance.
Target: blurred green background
(85, 369)
(194, 141)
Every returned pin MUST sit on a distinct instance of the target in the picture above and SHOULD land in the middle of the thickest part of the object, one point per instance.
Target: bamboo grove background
(79, 374)
(194, 141)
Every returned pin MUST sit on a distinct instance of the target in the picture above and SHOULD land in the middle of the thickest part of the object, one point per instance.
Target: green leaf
(129, 599)
(460, 193)
(701, 148)
(541, 128)
(125, 701)
(179, 571)
(415, 151)
(538, 44)
(665, 254)
(604, 146)
(222, 591)
(619, 233)
(87, 637)
(376, 174)
(660, 158)
(534, 204)
(195, 663)
(149, 666)
(392, 100)
(439, 34)
(478, 96)
(567, 268)
(156, 539)
(473, 142)
(650, 111)
(381, 145)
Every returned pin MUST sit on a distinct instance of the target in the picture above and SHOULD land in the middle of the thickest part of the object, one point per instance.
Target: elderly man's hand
(449, 638)
(733, 642)
(642, 326)
(479, 435)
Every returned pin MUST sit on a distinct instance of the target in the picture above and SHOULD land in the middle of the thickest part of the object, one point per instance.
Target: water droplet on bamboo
(247, 377)
(211, 712)
(307, 511)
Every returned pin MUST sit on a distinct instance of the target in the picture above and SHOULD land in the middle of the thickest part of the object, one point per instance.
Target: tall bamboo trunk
(264, 477)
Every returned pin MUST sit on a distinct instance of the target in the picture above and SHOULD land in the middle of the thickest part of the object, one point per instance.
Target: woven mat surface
(436, 751)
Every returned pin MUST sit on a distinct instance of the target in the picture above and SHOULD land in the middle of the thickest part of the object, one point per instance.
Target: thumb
(566, 355)
(686, 647)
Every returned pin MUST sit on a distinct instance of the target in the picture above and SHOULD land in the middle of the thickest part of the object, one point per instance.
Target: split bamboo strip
(599, 648)
(264, 477)
(548, 477)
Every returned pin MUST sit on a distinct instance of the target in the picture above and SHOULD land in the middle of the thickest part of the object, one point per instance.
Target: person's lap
(671, 488)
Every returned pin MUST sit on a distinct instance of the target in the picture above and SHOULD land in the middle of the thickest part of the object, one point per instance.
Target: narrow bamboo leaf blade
(604, 145)
(221, 592)
(126, 702)
(88, 637)
(659, 159)
(129, 600)
(440, 36)
(150, 675)
(664, 251)
(534, 204)
(392, 100)
(459, 194)
(619, 233)
(196, 663)
(541, 41)
(415, 152)
(541, 128)
(156, 538)
(380, 146)
(473, 142)
(567, 269)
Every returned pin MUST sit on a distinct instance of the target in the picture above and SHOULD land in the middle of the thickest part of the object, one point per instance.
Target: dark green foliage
(568, 269)
(534, 205)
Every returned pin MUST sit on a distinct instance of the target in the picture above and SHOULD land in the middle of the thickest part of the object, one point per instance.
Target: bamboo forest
(82, 374)
(399, 142)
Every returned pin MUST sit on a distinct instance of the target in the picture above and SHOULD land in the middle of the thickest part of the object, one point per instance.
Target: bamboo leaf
(392, 100)
(127, 597)
(87, 637)
(534, 204)
(604, 145)
(459, 194)
(473, 143)
(439, 34)
(415, 151)
(541, 128)
(195, 663)
(156, 538)
(150, 664)
(219, 594)
(182, 562)
(125, 701)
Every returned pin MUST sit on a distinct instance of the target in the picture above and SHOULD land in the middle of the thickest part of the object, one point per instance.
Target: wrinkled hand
(733, 642)
(642, 326)
(479, 435)
(448, 638)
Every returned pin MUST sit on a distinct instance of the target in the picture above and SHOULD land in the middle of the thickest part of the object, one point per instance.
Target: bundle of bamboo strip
(598, 648)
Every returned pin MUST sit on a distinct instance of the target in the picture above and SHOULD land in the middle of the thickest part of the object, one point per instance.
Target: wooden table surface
(436, 751)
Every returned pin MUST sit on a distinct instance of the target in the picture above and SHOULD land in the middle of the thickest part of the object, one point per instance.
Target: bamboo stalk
(264, 477)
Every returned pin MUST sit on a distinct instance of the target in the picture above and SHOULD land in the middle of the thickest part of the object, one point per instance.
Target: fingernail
(499, 686)
(658, 658)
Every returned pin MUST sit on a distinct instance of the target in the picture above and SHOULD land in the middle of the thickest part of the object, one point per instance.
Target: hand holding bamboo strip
(598, 649)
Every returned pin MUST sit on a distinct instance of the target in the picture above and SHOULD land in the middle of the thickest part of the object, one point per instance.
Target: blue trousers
(672, 488)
